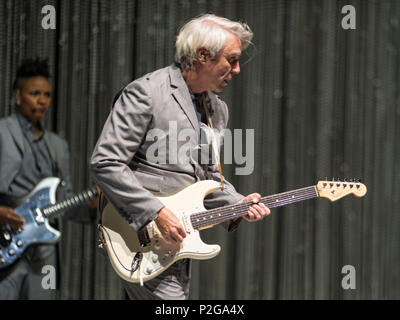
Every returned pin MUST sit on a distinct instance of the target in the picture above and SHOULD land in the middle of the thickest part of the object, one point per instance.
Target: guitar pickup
(143, 236)
(38, 216)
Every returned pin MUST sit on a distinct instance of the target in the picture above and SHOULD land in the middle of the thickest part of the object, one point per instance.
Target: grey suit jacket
(121, 166)
(12, 158)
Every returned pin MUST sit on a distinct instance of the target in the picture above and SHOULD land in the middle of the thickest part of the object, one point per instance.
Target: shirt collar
(27, 126)
(194, 96)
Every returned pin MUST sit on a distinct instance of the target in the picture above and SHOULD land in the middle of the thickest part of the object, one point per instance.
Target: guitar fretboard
(222, 214)
(71, 202)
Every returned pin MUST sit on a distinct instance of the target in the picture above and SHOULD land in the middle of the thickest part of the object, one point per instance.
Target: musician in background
(130, 173)
(28, 154)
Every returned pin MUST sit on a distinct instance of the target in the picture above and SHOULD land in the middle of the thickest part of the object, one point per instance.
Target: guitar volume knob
(7, 236)
(149, 270)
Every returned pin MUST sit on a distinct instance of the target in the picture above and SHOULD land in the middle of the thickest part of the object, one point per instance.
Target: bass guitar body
(37, 228)
(37, 208)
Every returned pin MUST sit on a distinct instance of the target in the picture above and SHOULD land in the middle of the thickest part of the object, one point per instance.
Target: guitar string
(226, 213)
(215, 219)
(233, 209)
(280, 196)
(211, 220)
(71, 202)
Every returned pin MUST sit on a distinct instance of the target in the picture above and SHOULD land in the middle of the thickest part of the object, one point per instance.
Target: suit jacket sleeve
(8, 150)
(121, 137)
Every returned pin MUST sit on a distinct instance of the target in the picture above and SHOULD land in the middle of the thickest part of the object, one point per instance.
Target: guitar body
(122, 242)
(36, 229)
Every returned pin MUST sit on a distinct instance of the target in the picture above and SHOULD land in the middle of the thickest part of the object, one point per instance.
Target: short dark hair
(31, 68)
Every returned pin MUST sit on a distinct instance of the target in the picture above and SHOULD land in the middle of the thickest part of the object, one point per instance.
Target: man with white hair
(131, 167)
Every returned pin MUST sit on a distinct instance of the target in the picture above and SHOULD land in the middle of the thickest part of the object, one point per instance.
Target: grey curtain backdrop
(323, 102)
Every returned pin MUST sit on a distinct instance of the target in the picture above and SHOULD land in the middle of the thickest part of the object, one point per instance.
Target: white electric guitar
(141, 256)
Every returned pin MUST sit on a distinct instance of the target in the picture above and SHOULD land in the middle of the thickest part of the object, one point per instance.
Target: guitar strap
(214, 144)
(102, 204)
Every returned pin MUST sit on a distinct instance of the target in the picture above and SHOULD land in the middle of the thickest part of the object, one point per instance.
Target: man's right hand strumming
(170, 226)
(9, 217)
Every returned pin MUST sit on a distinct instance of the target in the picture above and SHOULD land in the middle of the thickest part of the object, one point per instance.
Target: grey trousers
(172, 284)
(23, 280)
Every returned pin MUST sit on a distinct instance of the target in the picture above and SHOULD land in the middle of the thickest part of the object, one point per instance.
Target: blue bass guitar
(36, 208)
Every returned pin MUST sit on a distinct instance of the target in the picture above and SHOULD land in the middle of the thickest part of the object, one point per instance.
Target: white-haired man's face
(216, 73)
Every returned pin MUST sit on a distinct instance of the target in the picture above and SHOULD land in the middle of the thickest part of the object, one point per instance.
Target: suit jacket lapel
(16, 132)
(181, 94)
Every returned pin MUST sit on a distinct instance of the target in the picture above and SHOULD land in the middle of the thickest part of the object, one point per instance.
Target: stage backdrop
(323, 102)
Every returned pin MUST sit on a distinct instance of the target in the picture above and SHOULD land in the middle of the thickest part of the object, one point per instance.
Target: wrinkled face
(33, 98)
(217, 72)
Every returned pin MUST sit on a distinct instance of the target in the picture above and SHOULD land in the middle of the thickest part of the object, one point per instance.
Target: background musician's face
(33, 97)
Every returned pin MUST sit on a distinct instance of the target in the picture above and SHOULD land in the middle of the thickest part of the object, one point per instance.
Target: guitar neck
(218, 215)
(69, 203)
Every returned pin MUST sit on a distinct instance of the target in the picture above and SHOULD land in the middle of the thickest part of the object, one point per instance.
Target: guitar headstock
(334, 190)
